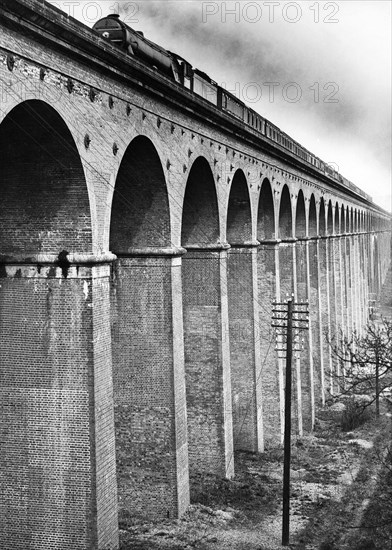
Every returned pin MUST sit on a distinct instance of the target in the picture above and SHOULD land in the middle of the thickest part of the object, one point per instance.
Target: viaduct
(144, 235)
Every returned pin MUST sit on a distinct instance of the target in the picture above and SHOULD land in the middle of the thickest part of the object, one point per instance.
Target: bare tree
(365, 361)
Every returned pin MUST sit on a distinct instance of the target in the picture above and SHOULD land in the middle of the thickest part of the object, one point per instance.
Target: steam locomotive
(114, 30)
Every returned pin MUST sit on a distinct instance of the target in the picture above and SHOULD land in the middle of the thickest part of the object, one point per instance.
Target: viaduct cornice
(51, 26)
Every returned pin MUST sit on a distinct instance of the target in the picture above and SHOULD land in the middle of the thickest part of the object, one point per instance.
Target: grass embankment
(341, 499)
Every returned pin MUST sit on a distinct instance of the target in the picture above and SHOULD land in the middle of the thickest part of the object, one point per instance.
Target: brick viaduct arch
(142, 248)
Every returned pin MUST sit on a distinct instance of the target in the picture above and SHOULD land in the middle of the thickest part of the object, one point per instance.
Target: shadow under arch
(285, 214)
(300, 216)
(44, 204)
(140, 208)
(239, 216)
(266, 213)
(336, 211)
(342, 219)
(322, 230)
(312, 217)
(200, 215)
(330, 218)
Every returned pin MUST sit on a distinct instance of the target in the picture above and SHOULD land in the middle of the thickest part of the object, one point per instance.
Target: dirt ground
(341, 498)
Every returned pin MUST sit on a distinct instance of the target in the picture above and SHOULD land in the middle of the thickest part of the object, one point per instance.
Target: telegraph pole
(287, 428)
(284, 322)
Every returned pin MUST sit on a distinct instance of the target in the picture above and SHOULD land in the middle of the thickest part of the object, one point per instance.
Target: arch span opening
(285, 215)
(342, 220)
(330, 218)
(44, 205)
(140, 209)
(336, 219)
(312, 217)
(322, 217)
(266, 215)
(200, 218)
(239, 218)
(300, 216)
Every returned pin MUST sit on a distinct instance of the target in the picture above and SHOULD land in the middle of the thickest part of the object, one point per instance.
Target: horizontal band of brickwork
(151, 251)
(48, 259)
(270, 242)
(26, 271)
(245, 244)
(210, 247)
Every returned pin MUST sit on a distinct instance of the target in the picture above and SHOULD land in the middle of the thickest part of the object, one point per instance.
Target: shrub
(354, 415)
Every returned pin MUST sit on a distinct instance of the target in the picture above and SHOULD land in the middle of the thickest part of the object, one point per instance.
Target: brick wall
(315, 318)
(207, 367)
(304, 357)
(242, 353)
(270, 384)
(48, 422)
(146, 412)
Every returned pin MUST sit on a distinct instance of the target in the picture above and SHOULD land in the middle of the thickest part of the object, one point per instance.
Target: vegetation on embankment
(341, 498)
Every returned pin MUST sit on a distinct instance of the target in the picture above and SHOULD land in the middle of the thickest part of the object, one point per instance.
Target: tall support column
(306, 356)
(245, 352)
(358, 283)
(373, 265)
(333, 260)
(341, 319)
(57, 451)
(355, 286)
(149, 383)
(341, 305)
(350, 280)
(315, 318)
(271, 368)
(207, 360)
(346, 292)
(325, 325)
(378, 262)
(363, 267)
(321, 315)
(367, 271)
(375, 271)
(370, 266)
(345, 286)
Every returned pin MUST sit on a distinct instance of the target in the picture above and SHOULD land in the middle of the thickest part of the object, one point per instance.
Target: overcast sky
(321, 71)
